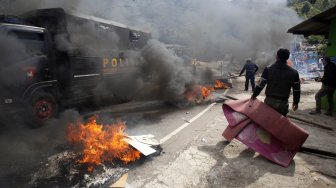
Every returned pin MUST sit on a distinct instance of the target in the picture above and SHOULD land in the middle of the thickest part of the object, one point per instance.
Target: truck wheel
(43, 107)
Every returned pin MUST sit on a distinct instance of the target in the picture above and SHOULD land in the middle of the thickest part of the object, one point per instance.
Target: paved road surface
(194, 152)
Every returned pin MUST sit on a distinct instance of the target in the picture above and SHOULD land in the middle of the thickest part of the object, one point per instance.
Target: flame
(197, 94)
(193, 94)
(206, 91)
(221, 85)
(101, 142)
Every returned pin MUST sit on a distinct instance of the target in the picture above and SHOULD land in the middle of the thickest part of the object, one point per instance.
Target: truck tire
(42, 108)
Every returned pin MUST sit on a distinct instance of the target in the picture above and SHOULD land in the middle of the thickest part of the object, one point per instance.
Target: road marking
(225, 92)
(169, 136)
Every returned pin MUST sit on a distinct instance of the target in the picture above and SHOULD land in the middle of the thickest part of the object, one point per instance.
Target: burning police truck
(51, 58)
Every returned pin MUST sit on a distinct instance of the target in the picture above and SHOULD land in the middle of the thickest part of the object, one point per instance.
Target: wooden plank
(319, 139)
(310, 122)
(318, 152)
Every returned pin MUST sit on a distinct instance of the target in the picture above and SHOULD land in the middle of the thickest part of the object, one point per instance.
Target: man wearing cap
(280, 79)
(251, 68)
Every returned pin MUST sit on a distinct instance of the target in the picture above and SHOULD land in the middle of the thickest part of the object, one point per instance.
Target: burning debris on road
(101, 143)
(198, 94)
(64, 170)
(221, 85)
(98, 156)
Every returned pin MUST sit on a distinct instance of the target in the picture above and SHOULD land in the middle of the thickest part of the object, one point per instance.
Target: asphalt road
(23, 149)
(194, 154)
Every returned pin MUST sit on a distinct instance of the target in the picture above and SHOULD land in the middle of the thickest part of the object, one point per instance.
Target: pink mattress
(264, 130)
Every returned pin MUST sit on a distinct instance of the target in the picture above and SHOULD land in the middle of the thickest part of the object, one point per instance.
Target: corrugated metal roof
(317, 25)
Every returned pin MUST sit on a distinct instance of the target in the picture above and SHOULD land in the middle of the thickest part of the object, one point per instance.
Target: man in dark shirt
(328, 87)
(251, 68)
(280, 78)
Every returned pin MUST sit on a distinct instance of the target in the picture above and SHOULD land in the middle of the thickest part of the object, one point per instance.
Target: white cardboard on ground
(143, 148)
(146, 139)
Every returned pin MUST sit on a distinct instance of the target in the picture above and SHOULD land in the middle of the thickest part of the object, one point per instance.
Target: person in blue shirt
(250, 68)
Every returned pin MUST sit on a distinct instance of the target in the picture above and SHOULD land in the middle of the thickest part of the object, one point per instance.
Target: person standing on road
(328, 87)
(280, 79)
(251, 68)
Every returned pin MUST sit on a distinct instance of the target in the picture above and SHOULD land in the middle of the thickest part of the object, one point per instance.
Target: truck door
(26, 58)
(86, 76)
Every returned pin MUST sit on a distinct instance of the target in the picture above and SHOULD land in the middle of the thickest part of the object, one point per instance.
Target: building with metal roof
(321, 24)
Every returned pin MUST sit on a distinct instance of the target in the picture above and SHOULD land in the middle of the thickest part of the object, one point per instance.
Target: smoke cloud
(23, 149)
(165, 73)
(210, 31)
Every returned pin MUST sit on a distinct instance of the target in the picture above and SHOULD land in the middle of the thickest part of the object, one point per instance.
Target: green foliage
(321, 50)
(322, 5)
(309, 8)
(306, 8)
(314, 39)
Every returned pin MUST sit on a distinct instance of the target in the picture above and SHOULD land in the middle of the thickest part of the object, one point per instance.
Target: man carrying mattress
(264, 127)
(279, 78)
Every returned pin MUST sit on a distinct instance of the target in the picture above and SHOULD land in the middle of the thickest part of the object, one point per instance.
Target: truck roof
(4, 18)
(58, 21)
(101, 20)
(59, 12)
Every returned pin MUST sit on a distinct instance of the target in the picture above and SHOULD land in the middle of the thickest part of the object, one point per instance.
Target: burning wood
(198, 94)
(101, 143)
(105, 155)
(221, 85)
(206, 91)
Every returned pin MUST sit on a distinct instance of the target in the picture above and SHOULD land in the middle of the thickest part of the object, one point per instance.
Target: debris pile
(98, 156)
(198, 94)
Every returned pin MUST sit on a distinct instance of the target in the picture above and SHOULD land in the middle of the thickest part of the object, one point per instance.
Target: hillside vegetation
(308, 9)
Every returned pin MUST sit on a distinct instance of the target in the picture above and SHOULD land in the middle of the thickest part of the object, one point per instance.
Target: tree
(321, 50)
(325, 4)
(306, 8)
(314, 39)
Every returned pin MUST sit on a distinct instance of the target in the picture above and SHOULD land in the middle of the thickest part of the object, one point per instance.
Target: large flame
(101, 142)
